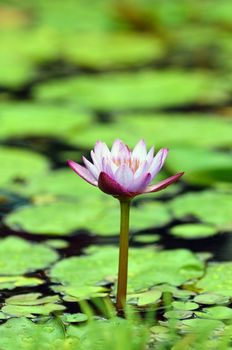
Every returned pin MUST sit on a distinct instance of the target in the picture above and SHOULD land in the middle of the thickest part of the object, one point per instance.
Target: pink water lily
(122, 172)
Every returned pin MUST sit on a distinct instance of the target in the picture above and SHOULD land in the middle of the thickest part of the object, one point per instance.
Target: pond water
(71, 75)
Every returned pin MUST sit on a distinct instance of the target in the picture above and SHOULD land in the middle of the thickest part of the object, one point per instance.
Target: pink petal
(82, 172)
(158, 162)
(92, 168)
(140, 183)
(140, 151)
(101, 149)
(110, 186)
(124, 176)
(163, 184)
(120, 150)
(150, 155)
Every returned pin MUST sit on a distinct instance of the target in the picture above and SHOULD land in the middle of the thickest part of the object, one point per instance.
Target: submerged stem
(123, 254)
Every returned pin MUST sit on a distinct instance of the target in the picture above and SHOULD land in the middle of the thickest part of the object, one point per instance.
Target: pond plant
(124, 174)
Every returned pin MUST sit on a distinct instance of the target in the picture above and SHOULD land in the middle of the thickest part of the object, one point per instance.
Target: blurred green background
(73, 72)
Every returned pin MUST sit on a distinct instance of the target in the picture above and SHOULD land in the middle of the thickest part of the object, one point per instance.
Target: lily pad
(19, 164)
(47, 335)
(193, 231)
(125, 91)
(29, 305)
(107, 50)
(218, 279)
(198, 130)
(19, 250)
(11, 282)
(211, 299)
(146, 298)
(216, 313)
(73, 318)
(95, 215)
(17, 121)
(146, 238)
(147, 268)
(200, 206)
(201, 166)
(185, 305)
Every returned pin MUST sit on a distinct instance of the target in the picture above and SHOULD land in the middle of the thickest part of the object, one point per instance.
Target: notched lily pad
(216, 313)
(21, 256)
(211, 299)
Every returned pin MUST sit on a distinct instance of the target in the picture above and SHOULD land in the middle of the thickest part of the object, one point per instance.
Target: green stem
(123, 254)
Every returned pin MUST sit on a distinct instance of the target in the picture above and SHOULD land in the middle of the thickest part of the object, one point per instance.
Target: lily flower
(123, 173)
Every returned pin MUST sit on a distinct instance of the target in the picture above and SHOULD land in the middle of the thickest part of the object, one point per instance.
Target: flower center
(132, 163)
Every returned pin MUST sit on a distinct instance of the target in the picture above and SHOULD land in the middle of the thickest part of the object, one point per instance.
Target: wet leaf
(11, 282)
(193, 231)
(31, 304)
(218, 279)
(200, 206)
(19, 250)
(73, 318)
(19, 164)
(211, 298)
(216, 313)
(147, 268)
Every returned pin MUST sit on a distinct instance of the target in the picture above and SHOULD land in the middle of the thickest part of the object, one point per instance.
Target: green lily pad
(198, 130)
(218, 279)
(178, 314)
(193, 231)
(73, 318)
(211, 299)
(93, 214)
(16, 120)
(147, 268)
(145, 298)
(123, 90)
(19, 250)
(11, 282)
(185, 305)
(200, 206)
(201, 166)
(29, 305)
(103, 50)
(198, 325)
(19, 164)
(216, 313)
(47, 335)
(146, 238)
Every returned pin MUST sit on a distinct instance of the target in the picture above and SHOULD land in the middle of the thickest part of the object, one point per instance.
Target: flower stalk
(123, 254)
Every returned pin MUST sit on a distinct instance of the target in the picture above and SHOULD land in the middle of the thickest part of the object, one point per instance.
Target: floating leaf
(19, 250)
(19, 164)
(145, 298)
(200, 206)
(31, 304)
(16, 120)
(147, 268)
(125, 91)
(146, 238)
(47, 335)
(211, 298)
(193, 231)
(216, 313)
(184, 305)
(11, 282)
(218, 279)
(178, 314)
(102, 219)
(201, 166)
(73, 318)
